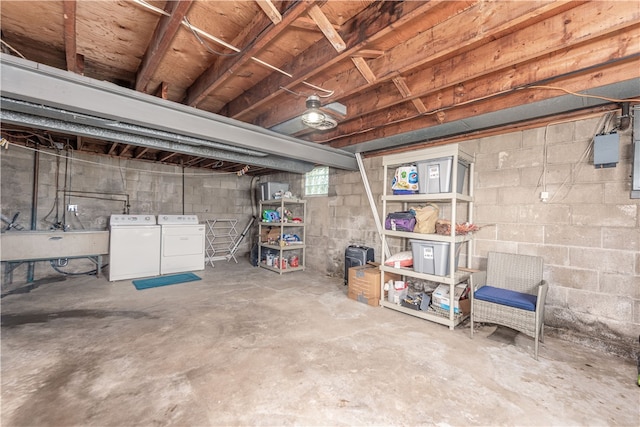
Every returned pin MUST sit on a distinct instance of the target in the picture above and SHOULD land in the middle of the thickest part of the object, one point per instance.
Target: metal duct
(28, 81)
(267, 161)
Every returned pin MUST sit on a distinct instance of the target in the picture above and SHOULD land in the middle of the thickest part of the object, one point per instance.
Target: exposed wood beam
(193, 161)
(166, 157)
(401, 118)
(327, 29)
(140, 152)
(78, 142)
(575, 84)
(366, 27)
(363, 67)
(306, 23)
(70, 45)
(270, 10)
(216, 75)
(112, 148)
(587, 45)
(161, 40)
(369, 53)
(124, 150)
(404, 90)
(445, 39)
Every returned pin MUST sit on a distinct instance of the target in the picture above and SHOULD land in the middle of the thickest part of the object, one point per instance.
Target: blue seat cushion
(506, 297)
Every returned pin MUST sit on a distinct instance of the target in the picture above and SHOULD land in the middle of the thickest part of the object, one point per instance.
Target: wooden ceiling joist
(327, 28)
(357, 33)
(166, 157)
(70, 43)
(140, 152)
(439, 45)
(270, 10)
(112, 148)
(164, 33)
(257, 37)
(404, 90)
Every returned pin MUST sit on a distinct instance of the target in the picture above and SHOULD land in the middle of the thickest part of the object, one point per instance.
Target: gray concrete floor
(246, 346)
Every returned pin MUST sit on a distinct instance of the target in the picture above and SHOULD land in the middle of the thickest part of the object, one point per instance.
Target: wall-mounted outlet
(544, 196)
(72, 208)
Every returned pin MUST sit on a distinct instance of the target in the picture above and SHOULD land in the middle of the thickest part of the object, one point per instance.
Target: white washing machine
(182, 243)
(134, 247)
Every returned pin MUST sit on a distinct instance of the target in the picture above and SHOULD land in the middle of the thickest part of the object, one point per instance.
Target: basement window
(316, 182)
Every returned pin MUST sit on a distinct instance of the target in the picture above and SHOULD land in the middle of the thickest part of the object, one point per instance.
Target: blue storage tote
(434, 176)
(432, 257)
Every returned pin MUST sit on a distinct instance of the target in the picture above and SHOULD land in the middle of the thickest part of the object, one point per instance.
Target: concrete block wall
(587, 232)
(92, 179)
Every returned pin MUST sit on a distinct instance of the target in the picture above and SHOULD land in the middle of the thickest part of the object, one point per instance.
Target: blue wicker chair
(511, 293)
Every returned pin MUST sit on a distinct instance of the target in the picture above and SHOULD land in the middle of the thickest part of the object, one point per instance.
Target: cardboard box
(441, 298)
(364, 283)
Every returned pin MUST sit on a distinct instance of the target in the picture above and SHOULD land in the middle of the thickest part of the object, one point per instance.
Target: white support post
(372, 203)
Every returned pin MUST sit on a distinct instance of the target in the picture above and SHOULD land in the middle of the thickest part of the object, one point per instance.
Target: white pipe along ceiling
(53, 99)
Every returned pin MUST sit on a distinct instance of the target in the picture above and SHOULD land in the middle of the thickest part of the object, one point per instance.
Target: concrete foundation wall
(99, 186)
(587, 232)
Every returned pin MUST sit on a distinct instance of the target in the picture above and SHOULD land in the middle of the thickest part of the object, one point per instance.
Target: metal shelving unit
(221, 238)
(284, 250)
(453, 199)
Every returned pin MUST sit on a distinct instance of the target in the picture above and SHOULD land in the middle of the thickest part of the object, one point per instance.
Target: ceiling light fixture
(313, 117)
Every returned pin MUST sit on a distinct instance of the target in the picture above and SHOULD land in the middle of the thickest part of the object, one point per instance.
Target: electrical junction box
(605, 150)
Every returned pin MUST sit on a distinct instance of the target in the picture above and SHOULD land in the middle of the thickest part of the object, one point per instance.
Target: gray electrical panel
(606, 151)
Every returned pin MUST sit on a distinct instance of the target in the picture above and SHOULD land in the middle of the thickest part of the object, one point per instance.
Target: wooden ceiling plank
(386, 67)
(70, 43)
(270, 10)
(327, 29)
(163, 35)
(216, 75)
(366, 27)
(365, 70)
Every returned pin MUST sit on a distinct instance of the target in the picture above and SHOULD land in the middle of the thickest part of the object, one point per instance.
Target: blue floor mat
(173, 279)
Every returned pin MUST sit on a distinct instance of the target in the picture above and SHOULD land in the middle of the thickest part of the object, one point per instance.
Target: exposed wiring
(482, 98)
(206, 46)
(12, 49)
(119, 167)
(198, 32)
(583, 95)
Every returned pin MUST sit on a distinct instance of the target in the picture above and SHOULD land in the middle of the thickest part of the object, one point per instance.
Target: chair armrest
(543, 288)
(477, 280)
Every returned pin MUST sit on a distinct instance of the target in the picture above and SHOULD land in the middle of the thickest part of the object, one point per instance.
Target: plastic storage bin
(432, 257)
(434, 176)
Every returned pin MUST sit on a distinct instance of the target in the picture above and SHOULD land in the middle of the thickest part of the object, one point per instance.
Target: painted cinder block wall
(587, 232)
(152, 189)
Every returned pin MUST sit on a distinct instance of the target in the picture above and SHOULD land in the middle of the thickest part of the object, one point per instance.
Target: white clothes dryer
(182, 243)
